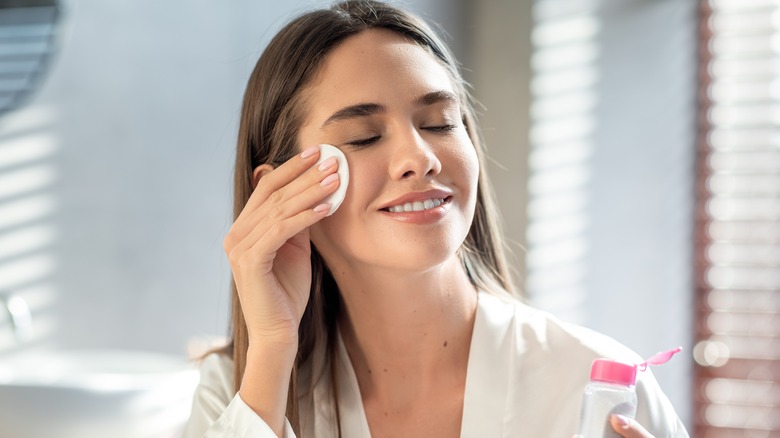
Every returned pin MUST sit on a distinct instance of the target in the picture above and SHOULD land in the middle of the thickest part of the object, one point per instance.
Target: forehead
(379, 66)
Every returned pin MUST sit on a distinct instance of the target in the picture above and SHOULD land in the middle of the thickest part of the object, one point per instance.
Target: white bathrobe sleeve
(218, 412)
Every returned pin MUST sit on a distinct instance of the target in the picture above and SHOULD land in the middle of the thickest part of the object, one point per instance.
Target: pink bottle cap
(609, 371)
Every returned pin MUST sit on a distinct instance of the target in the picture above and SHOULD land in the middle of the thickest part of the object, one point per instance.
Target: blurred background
(634, 147)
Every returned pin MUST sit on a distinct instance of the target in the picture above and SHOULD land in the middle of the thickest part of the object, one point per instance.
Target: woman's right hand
(268, 245)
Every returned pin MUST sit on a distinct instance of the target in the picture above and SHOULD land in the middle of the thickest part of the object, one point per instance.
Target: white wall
(641, 263)
(131, 146)
(499, 67)
(612, 159)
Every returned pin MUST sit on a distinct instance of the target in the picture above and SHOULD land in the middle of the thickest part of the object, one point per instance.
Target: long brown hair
(271, 116)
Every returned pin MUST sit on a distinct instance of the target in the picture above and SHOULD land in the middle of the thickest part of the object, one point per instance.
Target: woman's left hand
(628, 427)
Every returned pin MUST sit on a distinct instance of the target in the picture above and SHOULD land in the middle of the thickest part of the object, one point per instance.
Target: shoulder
(539, 333)
(543, 362)
(551, 359)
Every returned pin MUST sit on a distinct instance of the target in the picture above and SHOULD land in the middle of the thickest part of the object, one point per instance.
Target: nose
(413, 157)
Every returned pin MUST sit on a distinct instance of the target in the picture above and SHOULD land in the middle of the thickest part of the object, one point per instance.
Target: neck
(408, 331)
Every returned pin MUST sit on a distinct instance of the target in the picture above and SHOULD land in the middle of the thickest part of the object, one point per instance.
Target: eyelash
(365, 141)
(441, 128)
(437, 129)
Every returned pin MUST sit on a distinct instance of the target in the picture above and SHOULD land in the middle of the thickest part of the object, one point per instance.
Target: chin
(420, 257)
(390, 249)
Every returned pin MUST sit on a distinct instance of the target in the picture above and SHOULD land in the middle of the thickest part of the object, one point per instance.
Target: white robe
(525, 377)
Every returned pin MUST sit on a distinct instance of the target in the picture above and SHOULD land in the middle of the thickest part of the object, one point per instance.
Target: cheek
(365, 185)
(366, 179)
(472, 165)
(465, 165)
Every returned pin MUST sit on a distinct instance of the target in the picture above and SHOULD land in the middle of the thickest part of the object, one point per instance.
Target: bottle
(611, 391)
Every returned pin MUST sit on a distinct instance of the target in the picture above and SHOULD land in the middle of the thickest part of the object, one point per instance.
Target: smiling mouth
(427, 204)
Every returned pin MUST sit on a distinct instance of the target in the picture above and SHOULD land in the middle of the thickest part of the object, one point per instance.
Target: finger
(308, 198)
(249, 227)
(628, 427)
(274, 203)
(312, 177)
(259, 259)
(282, 175)
(271, 212)
(280, 232)
(275, 231)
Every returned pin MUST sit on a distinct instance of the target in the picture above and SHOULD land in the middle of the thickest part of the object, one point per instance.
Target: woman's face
(391, 107)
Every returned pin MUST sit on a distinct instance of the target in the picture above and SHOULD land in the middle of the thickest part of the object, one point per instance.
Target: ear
(259, 172)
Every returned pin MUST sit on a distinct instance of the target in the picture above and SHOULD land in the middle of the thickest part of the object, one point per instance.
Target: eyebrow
(353, 111)
(369, 109)
(436, 97)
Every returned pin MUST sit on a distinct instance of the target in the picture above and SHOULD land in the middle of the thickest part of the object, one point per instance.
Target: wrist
(263, 349)
(265, 382)
(282, 338)
(280, 341)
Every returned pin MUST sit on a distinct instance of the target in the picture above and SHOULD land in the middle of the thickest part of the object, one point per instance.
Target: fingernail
(327, 164)
(310, 151)
(330, 179)
(621, 420)
(322, 208)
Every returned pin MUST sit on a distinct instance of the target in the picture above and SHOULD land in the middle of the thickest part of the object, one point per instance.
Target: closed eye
(440, 128)
(370, 140)
(365, 141)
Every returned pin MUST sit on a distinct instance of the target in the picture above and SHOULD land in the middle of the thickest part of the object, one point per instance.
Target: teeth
(417, 206)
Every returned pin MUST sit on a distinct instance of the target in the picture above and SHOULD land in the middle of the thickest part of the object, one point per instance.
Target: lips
(417, 205)
(417, 201)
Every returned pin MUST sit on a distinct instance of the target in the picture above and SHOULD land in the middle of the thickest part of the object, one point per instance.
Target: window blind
(27, 38)
(737, 381)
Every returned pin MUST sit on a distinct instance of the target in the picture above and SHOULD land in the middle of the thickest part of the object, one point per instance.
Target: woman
(392, 317)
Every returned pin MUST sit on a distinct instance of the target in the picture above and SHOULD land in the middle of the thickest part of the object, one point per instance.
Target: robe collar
(487, 375)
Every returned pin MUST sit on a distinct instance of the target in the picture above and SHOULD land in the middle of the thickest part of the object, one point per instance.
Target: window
(738, 221)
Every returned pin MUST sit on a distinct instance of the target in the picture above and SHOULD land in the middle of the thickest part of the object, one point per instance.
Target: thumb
(628, 427)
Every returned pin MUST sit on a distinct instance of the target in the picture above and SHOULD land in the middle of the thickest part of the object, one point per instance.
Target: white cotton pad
(336, 198)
